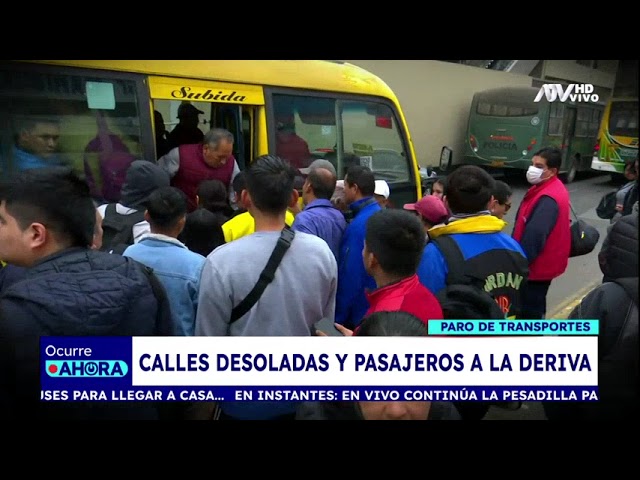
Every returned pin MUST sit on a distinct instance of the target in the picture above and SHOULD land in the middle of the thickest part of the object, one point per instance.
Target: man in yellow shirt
(243, 224)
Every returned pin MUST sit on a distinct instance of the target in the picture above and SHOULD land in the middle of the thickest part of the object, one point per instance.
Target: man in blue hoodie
(351, 301)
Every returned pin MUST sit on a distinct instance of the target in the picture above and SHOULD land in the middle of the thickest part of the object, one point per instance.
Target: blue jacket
(351, 301)
(76, 292)
(474, 236)
(178, 269)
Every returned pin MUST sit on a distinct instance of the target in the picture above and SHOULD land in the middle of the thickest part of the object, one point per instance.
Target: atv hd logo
(575, 92)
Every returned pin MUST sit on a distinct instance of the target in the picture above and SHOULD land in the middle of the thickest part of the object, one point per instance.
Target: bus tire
(570, 176)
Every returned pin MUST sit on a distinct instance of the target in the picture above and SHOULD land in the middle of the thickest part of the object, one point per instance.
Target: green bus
(505, 127)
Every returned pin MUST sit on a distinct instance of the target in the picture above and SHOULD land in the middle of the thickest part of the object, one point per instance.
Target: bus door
(230, 118)
(217, 104)
(568, 131)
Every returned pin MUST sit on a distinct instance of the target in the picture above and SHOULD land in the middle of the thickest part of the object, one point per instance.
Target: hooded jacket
(490, 254)
(143, 177)
(76, 292)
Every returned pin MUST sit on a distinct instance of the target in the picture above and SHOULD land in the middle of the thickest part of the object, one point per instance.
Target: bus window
(89, 122)
(308, 128)
(380, 149)
(623, 119)
(583, 120)
(556, 113)
(496, 109)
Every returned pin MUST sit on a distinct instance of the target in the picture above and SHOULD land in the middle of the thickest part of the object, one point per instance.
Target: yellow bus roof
(308, 74)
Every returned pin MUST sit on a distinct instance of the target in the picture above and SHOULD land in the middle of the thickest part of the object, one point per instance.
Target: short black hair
(323, 182)
(202, 231)
(469, 189)
(363, 177)
(166, 206)
(213, 195)
(396, 238)
(392, 324)
(239, 183)
(270, 183)
(54, 196)
(502, 192)
(552, 155)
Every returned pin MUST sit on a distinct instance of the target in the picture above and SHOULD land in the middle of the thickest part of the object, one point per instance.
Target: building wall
(572, 72)
(435, 97)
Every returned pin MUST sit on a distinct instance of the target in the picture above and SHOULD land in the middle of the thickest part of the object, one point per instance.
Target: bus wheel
(570, 176)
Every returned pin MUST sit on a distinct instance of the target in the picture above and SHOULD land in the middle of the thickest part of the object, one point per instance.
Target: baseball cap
(186, 109)
(431, 208)
(382, 188)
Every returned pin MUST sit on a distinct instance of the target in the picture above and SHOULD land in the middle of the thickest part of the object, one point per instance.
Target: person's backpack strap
(122, 225)
(267, 275)
(453, 258)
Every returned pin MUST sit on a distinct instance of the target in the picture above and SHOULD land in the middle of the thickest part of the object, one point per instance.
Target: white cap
(382, 188)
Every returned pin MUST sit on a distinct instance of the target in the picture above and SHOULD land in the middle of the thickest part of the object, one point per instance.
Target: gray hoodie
(143, 177)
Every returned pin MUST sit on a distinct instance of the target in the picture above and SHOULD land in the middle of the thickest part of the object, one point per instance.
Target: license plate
(497, 163)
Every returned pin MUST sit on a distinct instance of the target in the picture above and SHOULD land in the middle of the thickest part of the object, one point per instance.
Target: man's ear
(197, 200)
(245, 199)
(492, 203)
(147, 217)
(38, 235)
(294, 198)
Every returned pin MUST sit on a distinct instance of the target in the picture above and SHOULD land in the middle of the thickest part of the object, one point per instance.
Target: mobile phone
(327, 325)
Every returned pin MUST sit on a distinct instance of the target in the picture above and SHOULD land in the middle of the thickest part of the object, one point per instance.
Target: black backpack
(607, 206)
(117, 229)
(464, 296)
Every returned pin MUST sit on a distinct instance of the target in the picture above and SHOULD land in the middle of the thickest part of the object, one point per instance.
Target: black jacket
(618, 256)
(616, 306)
(77, 292)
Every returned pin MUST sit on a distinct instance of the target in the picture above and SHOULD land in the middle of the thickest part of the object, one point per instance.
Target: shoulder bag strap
(267, 275)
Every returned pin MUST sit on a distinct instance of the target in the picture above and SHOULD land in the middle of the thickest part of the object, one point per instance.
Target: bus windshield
(342, 131)
(495, 109)
(623, 119)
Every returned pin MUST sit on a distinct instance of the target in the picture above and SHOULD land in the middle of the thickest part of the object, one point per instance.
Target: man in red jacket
(392, 249)
(542, 227)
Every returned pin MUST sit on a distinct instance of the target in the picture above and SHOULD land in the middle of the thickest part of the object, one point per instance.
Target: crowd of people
(189, 249)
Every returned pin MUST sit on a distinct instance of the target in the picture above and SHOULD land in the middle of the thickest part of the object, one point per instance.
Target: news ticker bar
(326, 393)
(514, 327)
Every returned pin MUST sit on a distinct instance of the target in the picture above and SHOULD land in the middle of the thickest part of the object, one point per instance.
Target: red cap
(431, 208)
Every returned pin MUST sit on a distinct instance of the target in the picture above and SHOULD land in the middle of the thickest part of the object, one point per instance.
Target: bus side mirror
(446, 154)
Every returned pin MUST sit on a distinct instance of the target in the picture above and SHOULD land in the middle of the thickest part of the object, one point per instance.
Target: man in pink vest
(543, 229)
(189, 165)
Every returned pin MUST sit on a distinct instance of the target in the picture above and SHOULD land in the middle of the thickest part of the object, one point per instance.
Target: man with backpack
(475, 270)
(469, 259)
(123, 223)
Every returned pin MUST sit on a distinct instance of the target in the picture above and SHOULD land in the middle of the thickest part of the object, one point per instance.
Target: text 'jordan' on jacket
(489, 254)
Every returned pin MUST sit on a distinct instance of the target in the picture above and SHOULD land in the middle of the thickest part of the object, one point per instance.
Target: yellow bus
(339, 110)
(617, 137)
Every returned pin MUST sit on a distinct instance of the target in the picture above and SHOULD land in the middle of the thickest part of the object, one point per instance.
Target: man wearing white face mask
(542, 227)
